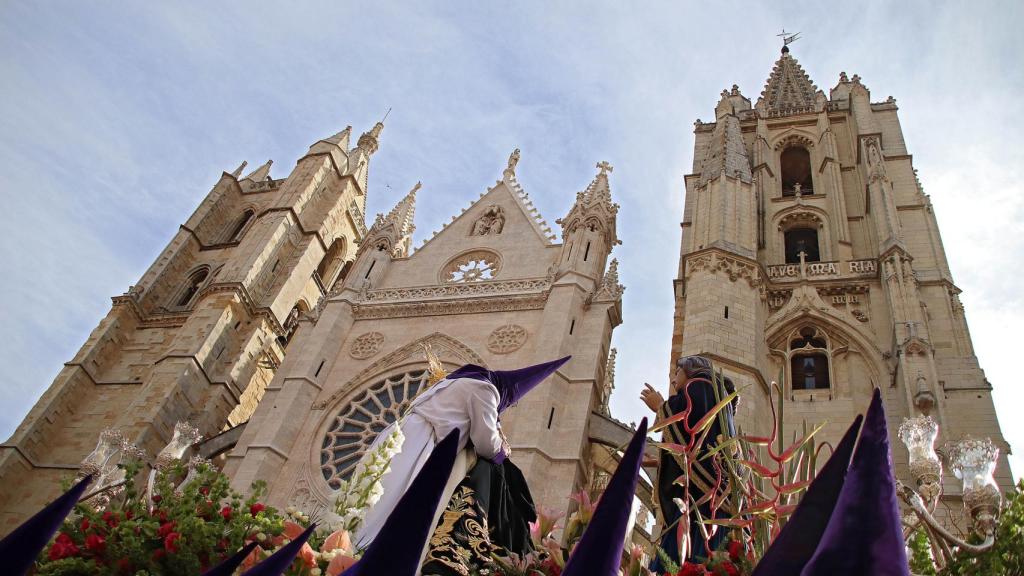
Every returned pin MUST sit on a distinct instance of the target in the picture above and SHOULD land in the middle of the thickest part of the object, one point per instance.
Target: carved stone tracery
(474, 266)
(366, 345)
(734, 268)
(506, 339)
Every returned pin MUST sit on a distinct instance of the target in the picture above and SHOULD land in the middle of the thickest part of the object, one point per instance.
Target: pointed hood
(599, 551)
(228, 566)
(864, 535)
(279, 561)
(20, 548)
(397, 548)
(511, 384)
(795, 545)
(238, 171)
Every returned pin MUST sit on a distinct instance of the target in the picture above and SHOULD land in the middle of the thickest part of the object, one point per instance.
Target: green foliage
(1007, 555)
(921, 562)
(189, 528)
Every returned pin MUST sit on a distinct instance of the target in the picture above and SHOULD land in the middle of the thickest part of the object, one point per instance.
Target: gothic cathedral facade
(290, 334)
(811, 256)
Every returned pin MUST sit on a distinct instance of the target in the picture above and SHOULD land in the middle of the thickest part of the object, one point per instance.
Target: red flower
(160, 514)
(226, 512)
(63, 547)
(158, 554)
(691, 569)
(84, 525)
(165, 529)
(204, 490)
(730, 568)
(256, 508)
(95, 543)
(111, 519)
(157, 498)
(124, 566)
(735, 550)
(171, 542)
(128, 514)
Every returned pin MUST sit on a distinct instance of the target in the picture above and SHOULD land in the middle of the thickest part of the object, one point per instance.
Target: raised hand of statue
(651, 397)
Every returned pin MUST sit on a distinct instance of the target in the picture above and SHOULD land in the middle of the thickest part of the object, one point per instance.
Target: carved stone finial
(843, 78)
(513, 161)
(604, 167)
(735, 90)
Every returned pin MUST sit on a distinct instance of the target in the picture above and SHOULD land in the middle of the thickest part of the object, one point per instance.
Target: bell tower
(202, 333)
(811, 256)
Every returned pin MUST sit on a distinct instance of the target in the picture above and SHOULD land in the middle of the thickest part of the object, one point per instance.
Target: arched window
(802, 240)
(360, 421)
(330, 265)
(795, 164)
(809, 360)
(240, 225)
(195, 281)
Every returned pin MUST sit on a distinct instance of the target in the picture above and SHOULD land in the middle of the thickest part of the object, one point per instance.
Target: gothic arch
(793, 137)
(801, 216)
(806, 308)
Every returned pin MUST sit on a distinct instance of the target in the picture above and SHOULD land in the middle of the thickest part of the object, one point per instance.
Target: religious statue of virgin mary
(486, 504)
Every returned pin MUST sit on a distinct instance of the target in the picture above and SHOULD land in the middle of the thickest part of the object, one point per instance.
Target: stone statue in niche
(492, 221)
(876, 166)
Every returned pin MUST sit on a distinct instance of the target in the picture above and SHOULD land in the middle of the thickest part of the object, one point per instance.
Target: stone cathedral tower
(810, 255)
(202, 333)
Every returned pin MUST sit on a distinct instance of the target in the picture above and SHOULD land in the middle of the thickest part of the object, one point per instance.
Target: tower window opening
(551, 417)
(572, 326)
(727, 312)
(586, 252)
(194, 282)
(795, 164)
(809, 360)
(568, 253)
(331, 265)
(802, 240)
(370, 269)
(240, 225)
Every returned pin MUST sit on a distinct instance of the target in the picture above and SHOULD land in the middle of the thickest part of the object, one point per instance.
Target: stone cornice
(459, 291)
(497, 303)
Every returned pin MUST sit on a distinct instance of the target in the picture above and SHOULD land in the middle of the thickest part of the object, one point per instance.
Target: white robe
(466, 404)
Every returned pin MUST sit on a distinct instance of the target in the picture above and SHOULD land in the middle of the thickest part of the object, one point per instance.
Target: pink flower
(338, 540)
(339, 564)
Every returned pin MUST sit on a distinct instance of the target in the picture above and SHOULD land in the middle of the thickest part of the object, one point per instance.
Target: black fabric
(702, 395)
(489, 512)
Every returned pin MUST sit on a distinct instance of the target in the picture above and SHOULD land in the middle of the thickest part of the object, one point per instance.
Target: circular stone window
(472, 267)
(360, 421)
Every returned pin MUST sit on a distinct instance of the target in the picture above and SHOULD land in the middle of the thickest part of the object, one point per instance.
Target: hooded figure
(19, 549)
(468, 400)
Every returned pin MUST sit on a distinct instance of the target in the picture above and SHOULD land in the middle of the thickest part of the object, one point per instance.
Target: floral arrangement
(363, 489)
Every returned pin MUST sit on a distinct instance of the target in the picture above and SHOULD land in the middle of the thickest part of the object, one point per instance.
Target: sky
(116, 118)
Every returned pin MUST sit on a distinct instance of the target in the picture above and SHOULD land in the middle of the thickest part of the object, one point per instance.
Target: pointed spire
(238, 171)
(864, 535)
(403, 213)
(369, 141)
(788, 89)
(610, 288)
(599, 190)
(340, 137)
(20, 548)
(795, 545)
(260, 174)
(725, 152)
(599, 550)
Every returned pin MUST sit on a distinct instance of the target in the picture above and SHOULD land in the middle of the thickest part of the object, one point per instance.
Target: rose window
(360, 421)
(472, 267)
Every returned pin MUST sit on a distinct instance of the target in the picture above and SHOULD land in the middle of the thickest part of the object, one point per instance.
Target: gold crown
(434, 367)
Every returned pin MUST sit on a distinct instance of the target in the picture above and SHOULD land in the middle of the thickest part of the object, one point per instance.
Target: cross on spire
(604, 167)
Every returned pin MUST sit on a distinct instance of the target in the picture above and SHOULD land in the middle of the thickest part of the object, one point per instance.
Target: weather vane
(788, 37)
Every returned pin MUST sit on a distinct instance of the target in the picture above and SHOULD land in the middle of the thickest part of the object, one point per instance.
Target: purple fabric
(864, 535)
(397, 548)
(599, 551)
(20, 548)
(795, 545)
(228, 566)
(279, 561)
(511, 384)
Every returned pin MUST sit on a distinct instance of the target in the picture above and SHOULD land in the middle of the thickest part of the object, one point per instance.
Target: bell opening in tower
(795, 164)
(802, 240)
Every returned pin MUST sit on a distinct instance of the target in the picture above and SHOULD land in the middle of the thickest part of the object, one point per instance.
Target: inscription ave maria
(823, 269)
